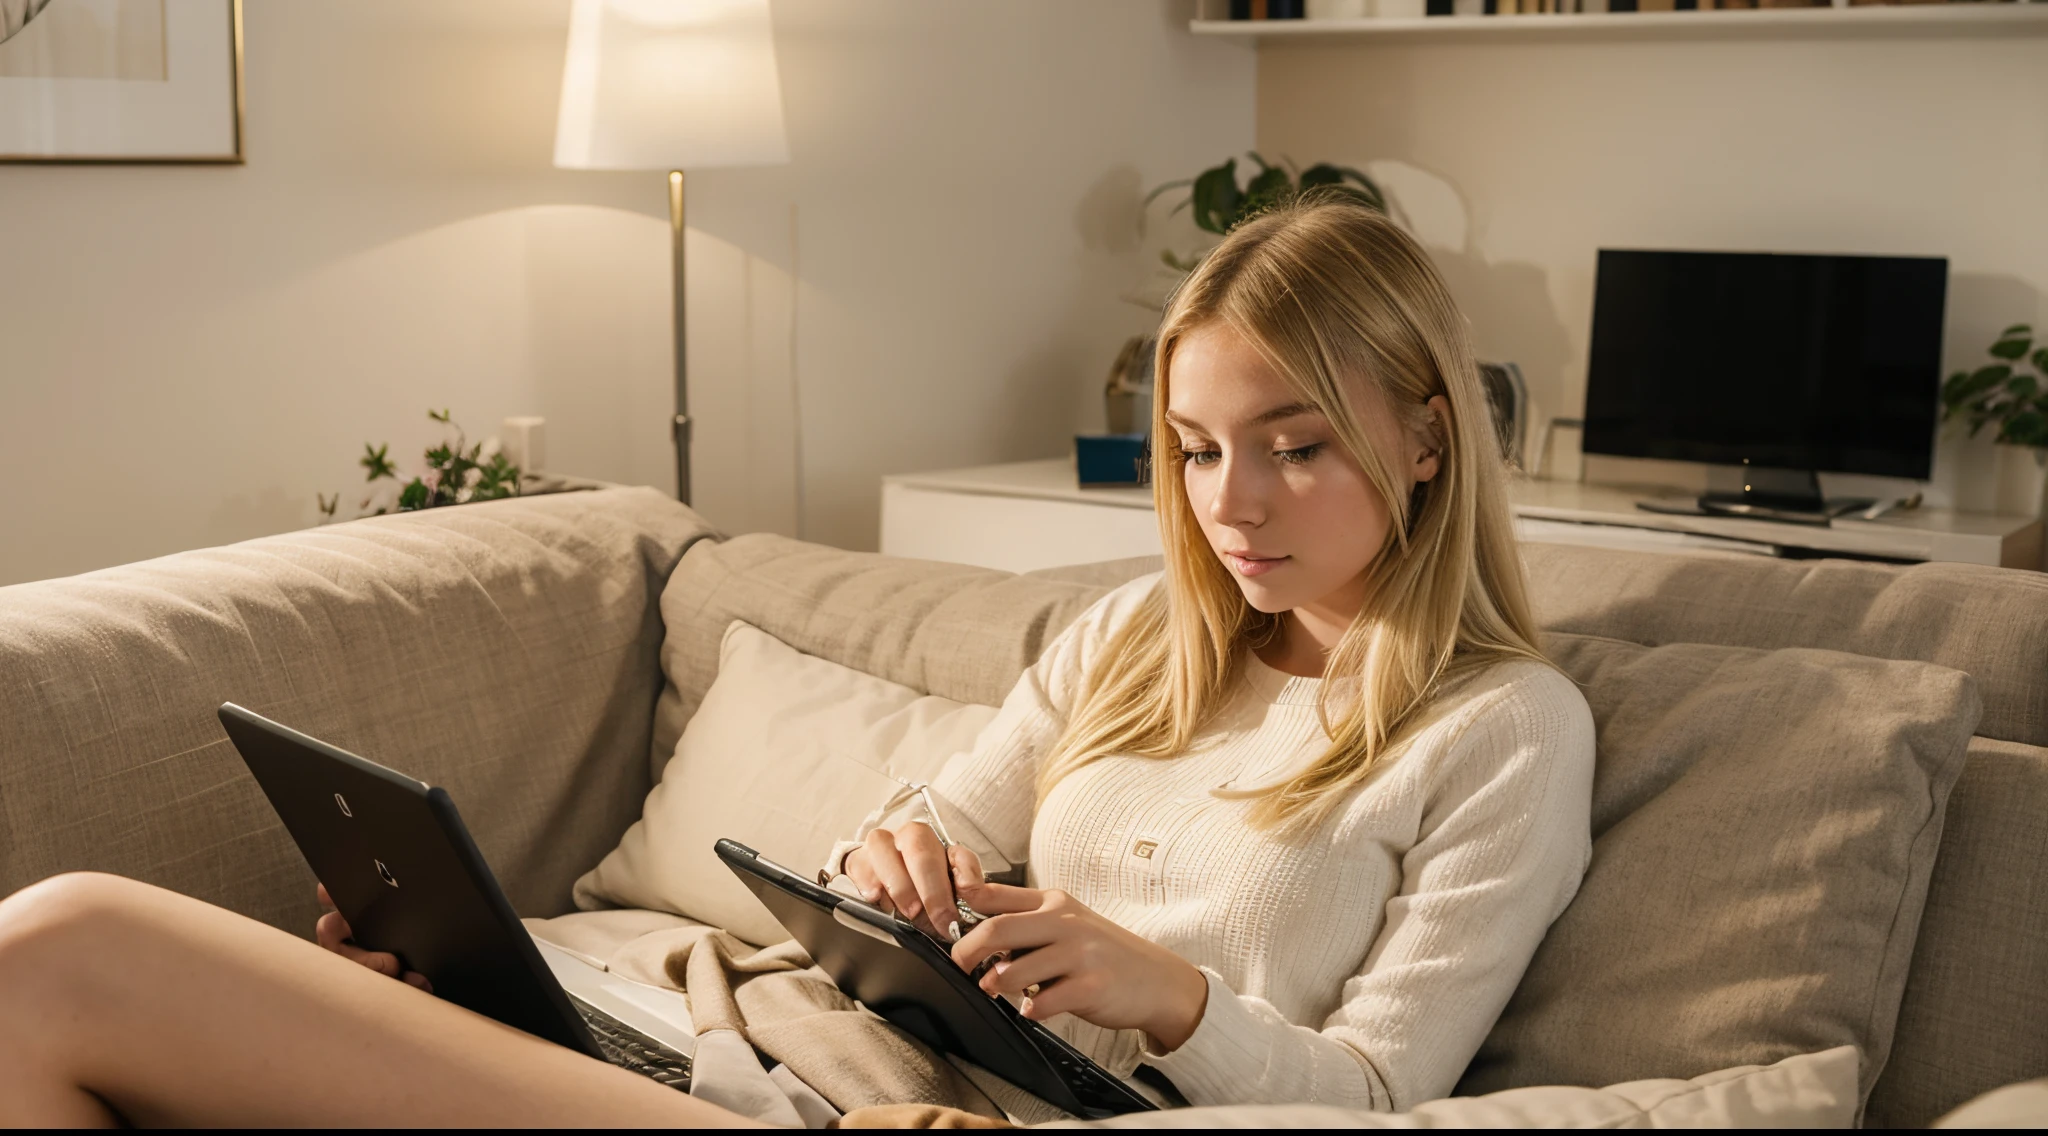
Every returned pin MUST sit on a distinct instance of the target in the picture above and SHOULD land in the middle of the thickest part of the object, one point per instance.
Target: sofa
(540, 657)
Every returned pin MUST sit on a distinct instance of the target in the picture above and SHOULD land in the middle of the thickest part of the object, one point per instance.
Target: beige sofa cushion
(787, 754)
(1975, 1015)
(1991, 623)
(1810, 1090)
(946, 629)
(503, 650)
(1764, 827)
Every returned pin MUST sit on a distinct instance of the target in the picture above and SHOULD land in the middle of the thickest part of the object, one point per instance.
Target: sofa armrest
(505, 651)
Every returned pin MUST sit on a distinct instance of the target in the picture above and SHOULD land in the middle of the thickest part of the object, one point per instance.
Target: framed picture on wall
(120, 80)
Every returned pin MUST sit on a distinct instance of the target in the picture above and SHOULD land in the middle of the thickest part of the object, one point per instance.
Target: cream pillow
(1810, 1090)
(787, 754)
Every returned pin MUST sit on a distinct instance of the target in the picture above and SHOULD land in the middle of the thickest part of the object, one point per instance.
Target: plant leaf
(377, 461)
(1363, 188)
(1215, 197)
(2015, 347)
(2027, 428)
(2017, 329)
(413, 496)
(1270, 187)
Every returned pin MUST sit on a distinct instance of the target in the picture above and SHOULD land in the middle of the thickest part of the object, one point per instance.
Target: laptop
(896, 970)
(401, 867)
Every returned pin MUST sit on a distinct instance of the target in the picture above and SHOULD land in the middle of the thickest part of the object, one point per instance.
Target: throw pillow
(786, 754)
(1764, 823)
(1811, 1090)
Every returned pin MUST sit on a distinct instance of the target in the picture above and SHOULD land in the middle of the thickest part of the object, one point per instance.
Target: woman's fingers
(1006, 899)
(1066, 996)
(1038, 968)
(892, 878)
(321, 891)
(967, 873)
(925, 859)
(331, 930)
(1019, 932)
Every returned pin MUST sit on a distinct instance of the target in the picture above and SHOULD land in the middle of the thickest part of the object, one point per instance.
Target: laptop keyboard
(628, 1048)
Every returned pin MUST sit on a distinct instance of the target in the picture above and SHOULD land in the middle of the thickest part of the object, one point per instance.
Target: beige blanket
(784, 1006)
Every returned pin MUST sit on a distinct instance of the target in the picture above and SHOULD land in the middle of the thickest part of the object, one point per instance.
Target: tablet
(907, 977)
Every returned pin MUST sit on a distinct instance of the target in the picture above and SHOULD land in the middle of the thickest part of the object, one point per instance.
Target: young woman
(1296, 815)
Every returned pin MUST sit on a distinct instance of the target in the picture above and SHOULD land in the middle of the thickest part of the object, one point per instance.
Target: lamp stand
(681, 426)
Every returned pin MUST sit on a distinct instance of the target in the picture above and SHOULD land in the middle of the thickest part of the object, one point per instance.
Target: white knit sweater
(1359, 964)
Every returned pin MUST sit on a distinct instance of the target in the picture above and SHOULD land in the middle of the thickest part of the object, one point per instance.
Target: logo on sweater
(1143, 849)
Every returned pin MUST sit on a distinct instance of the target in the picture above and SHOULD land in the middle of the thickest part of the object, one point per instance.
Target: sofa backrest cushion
(1764, 825)
(947, 629)
(1991, 623)
(505, 651)
(1964, 1028)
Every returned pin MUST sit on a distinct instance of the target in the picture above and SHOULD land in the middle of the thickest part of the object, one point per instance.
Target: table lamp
(671, 85)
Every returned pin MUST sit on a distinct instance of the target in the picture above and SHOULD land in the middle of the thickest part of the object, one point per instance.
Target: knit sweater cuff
(1212, 1065)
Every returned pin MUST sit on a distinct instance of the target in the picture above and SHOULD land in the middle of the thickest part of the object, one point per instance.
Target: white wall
(962, 213)
(1517, 160)
(188, 355)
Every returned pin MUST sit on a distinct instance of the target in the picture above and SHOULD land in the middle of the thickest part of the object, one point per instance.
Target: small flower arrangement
(456, 474)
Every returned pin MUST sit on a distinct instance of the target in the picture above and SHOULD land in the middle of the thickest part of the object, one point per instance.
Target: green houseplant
(2009, 392)
(457, 472)
(2004, 391)
(1219, 203)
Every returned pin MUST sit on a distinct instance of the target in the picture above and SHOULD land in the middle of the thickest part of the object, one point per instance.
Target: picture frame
(111, 82)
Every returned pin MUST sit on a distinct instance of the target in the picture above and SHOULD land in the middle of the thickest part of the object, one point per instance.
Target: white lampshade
(670, 85)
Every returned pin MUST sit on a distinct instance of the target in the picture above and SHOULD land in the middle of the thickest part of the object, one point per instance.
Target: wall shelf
(1868, 22)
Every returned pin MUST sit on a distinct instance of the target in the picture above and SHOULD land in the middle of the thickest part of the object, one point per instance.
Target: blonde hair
(1349, 309)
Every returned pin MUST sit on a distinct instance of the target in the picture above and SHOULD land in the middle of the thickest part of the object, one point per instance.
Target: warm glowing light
(670, 85)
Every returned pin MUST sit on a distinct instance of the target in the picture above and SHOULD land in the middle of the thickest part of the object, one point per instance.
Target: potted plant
(457, 473)
(2006, 393)
(1219, 203)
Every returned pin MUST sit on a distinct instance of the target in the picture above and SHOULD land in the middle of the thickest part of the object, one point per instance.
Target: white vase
(1401, 9)
(2022, 480)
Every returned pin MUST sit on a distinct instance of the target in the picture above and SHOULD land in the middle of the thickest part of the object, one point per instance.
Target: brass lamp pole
(681, 426)
(671, 85)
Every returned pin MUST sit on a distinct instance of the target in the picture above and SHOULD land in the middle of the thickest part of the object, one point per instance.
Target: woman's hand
(906, 871)
(333, 933)
(1082, 964)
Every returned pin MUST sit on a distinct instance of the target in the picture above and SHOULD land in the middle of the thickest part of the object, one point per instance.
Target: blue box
(1111, 459)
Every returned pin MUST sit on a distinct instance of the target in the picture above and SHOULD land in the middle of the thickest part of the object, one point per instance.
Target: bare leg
(122, 1001)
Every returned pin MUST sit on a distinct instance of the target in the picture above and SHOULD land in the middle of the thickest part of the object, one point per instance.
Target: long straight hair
(1351, 312)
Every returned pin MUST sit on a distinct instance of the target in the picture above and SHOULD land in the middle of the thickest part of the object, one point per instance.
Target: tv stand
(1587, 513)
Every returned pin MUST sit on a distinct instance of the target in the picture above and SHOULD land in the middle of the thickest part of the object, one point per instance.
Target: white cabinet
(1017, 517)
(1028, 515)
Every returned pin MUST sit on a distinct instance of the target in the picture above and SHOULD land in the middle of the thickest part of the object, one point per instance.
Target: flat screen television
(1787, 362)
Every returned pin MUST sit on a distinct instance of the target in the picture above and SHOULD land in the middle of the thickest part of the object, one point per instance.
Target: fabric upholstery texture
(1991, 623)
(1809, 1090)
(946, 629)
(503, 650)
(1764, 827)
(787, 754)
(1975, 1014)
(1972, 1024)
(2024, 1105)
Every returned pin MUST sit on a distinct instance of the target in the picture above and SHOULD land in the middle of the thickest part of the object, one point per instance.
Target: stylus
(968, 916)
